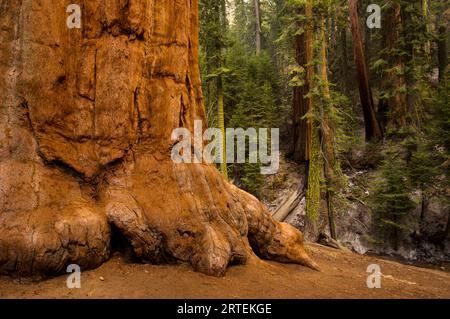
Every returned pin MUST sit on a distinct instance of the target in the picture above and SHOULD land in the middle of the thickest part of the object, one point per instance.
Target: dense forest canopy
(352, 85)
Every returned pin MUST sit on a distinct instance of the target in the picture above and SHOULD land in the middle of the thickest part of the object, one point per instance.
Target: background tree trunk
(344, 60)
(425, 13)
(327, 142)
(302, 105)
(373, 129)
(258, 31)
(87, 116)
(442, 27)
(221, 121)
(395, 83)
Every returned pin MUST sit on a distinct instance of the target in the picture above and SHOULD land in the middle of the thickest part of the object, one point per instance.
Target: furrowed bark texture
(86, 117)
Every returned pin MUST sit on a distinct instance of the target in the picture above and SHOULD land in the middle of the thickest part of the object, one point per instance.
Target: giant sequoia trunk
(86, 119)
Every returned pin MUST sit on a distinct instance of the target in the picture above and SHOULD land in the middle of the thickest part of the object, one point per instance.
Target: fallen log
(287, 207)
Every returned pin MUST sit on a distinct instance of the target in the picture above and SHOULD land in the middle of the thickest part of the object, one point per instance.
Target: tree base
(169, 214)
(85, 143)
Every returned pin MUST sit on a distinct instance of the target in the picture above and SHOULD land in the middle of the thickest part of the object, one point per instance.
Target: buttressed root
(271, 239)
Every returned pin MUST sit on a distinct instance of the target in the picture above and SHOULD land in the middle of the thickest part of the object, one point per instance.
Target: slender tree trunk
(223, 11)
(447, 229)
(312, 146)
(344, 60)
(396, 236)
(373, 129)
(425, 14)
(309, 72)
(299, 106)
(258, 31)
(442, 50)
(424, 204)
(327, 134)
(221, 120)
(395, 82)
(220, 51)
(368, 43)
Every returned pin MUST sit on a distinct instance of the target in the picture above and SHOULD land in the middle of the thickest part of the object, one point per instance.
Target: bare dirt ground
(343, 276)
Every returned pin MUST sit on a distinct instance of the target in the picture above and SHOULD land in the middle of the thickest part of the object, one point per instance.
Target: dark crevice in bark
(120, 244)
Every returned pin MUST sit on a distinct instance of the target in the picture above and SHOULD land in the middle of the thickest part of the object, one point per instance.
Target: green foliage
(422, 169)
(251, 103)
(250, 82)
(439, 124)
(438, 132)
(258, 92)
(251, 179)
(255, 104)
(419, 162)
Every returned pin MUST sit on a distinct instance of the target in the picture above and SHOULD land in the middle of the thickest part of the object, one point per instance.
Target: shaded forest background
(364, 112)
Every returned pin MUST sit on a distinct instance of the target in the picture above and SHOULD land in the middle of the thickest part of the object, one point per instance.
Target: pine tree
(392, 200)
(422, 173)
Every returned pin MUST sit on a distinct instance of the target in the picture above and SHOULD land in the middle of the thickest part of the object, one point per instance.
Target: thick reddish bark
(302, 105)
(85, 142)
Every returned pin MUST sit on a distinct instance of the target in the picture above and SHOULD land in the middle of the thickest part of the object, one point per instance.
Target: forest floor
(343, 276)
